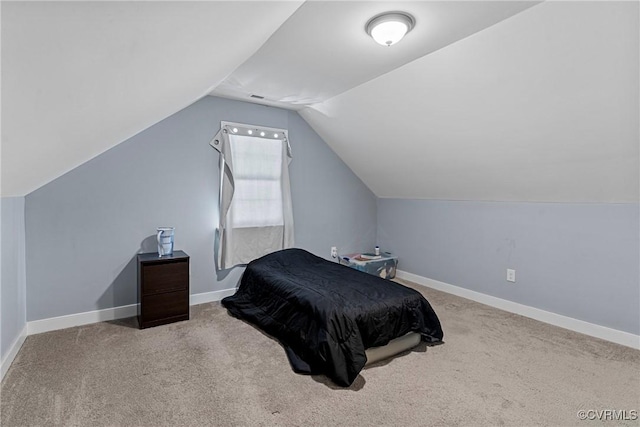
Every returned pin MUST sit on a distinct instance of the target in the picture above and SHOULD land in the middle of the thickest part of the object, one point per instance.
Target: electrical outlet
(334, 252)
(511, 275)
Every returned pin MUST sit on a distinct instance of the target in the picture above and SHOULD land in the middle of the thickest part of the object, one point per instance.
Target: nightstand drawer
(165, 305)
(170, 276)
(163, 288)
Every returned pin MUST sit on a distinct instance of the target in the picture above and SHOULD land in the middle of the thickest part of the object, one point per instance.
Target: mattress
(395, 346)
(325, 314)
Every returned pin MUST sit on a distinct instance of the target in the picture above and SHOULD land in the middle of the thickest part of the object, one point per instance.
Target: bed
(327, 315)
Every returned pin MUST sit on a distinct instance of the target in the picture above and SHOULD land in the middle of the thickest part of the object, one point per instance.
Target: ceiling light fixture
(390, 27)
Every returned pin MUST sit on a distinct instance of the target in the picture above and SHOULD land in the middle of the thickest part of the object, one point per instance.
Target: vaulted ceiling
(81, 77)
(521, 101)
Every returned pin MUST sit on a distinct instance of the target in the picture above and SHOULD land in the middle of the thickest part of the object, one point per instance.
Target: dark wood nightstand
(163, 288)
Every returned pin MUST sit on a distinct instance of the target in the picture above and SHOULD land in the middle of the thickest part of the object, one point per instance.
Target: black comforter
(326, 314)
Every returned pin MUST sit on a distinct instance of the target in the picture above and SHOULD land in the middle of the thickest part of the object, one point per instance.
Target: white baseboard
(13, 352)
(591, 329)
(206, 297)
(79, 319)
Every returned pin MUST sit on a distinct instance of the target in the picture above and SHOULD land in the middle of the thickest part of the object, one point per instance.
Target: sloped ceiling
(81, 77)
(540, 107)
(481, 101)
(323, 49)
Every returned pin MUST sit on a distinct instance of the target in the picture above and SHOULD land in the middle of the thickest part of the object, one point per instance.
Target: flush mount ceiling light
(390, 27)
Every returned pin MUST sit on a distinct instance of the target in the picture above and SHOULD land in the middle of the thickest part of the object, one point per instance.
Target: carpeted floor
(495, 368)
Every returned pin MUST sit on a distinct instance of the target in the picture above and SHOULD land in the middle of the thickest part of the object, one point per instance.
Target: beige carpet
(494, 369)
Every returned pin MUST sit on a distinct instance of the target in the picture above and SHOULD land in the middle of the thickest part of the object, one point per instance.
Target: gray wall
(13, 286)
(84, 229)
(578, 260)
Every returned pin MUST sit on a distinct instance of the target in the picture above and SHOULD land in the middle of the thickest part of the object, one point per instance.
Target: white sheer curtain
(256, 216)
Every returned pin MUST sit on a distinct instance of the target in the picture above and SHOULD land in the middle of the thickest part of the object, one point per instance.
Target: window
(256, 216)
(257, 174)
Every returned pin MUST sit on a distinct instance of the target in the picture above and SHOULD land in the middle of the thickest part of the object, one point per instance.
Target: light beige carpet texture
(494, 369)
